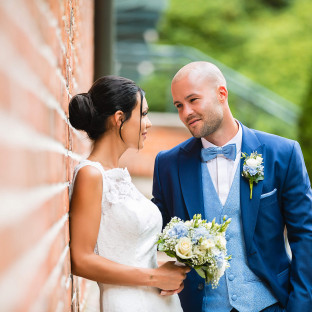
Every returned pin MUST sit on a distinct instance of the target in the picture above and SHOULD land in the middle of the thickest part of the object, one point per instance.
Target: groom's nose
(187, 111)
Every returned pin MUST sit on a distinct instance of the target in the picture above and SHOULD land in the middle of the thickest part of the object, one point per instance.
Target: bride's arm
(85, 216)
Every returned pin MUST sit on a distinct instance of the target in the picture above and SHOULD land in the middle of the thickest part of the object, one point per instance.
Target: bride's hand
(170, 276)
(172, 292)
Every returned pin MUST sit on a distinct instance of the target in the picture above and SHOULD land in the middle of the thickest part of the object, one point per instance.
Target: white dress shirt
(221, 169)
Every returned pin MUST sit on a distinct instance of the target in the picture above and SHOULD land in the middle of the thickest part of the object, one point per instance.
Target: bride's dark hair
(89, 111)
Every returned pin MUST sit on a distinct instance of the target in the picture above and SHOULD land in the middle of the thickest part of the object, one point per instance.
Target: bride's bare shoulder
(88, 178)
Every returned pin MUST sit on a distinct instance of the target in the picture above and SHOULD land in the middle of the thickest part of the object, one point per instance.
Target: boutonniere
(253, 169)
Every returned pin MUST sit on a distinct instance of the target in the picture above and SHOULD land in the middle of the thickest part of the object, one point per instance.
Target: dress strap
(82, 164)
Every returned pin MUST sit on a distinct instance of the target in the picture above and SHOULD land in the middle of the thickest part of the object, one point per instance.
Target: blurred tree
(305, 130)
(271, 46)
(268, 41)
(278, 4)
(157, 87)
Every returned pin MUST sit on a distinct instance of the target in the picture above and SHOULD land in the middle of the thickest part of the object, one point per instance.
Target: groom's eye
(193, 99)
(178, 105)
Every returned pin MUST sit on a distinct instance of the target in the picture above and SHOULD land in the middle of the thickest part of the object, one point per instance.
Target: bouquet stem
(250, 186)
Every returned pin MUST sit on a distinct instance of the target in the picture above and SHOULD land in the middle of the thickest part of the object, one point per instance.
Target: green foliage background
(271, 45)
(268, 41)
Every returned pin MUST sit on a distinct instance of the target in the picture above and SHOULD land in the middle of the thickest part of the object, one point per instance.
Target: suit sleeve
(158, 197)
(297, 208)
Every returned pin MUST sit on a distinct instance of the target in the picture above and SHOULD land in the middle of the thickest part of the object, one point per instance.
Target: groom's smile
(193, 122)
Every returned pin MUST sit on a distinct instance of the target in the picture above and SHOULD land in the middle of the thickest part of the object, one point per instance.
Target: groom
(199, 176)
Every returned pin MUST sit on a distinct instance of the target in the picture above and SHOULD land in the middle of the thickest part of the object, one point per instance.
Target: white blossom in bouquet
(198, 244)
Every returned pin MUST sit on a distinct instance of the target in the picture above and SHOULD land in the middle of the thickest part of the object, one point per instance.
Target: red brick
(5, 85)
(22, 235)
(33, 289)
(30, 36)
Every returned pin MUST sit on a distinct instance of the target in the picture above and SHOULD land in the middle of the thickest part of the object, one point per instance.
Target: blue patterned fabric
(239, 288)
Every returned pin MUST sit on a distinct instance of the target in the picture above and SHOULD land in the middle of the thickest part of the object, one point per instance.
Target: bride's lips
(144, 134)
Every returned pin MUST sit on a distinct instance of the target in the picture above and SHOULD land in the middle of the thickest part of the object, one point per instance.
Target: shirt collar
(237, 139)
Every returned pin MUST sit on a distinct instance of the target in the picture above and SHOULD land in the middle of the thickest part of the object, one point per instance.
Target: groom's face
(198, 105)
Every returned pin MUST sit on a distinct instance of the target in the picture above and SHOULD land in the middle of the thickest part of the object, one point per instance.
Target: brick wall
(46, 54)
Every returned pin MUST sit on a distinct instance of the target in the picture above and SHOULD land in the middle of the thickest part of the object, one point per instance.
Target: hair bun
(81, 112)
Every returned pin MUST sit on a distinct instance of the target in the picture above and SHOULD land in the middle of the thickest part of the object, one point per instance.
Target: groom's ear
(222, 94)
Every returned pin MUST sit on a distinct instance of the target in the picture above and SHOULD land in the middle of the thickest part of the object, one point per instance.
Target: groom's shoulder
(273, 140)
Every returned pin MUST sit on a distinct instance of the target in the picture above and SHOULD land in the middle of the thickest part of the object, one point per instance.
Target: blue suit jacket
(177, 191)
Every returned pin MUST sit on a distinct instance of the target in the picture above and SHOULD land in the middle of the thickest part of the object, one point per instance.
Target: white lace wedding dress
(127, 235)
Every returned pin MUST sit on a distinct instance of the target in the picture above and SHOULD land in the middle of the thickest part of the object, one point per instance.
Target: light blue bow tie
(229, 151)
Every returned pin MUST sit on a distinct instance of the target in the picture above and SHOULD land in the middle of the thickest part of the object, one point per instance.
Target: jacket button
(200, 286)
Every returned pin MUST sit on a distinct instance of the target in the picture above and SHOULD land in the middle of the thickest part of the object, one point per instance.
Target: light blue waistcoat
(239, 288)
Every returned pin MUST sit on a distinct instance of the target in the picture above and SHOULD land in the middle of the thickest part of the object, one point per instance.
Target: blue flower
(220, 260)
(179, 230)
(200, 232)
(252, 171)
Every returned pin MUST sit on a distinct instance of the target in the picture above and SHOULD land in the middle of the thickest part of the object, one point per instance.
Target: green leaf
(201, 272)
(170, 254)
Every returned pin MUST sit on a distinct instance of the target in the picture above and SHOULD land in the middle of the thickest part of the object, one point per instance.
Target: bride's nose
(148, 123)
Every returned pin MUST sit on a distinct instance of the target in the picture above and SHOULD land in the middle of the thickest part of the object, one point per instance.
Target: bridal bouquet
(198, 244)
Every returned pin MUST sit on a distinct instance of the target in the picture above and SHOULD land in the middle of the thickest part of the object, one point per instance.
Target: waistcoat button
(231, 277)
(234, 297)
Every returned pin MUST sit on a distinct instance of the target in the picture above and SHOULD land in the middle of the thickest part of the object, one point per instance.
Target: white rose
(206, 244)
(184, 248)
(252, 163)
(259, 160)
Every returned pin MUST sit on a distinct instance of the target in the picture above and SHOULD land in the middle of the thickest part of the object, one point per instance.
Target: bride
(113, 227)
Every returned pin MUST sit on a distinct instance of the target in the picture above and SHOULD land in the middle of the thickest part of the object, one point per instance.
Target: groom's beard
(206, 127)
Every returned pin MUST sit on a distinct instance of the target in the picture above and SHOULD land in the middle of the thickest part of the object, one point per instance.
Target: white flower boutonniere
(253, 169)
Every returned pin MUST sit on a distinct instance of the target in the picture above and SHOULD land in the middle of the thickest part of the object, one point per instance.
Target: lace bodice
(117, 186)
(127, 234)
(117, 183)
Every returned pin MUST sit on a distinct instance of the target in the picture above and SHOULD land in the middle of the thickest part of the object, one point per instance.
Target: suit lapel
(189, 164)
(250, 207)
(190, 177)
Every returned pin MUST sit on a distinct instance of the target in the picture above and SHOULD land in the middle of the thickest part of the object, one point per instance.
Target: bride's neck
(107, 150)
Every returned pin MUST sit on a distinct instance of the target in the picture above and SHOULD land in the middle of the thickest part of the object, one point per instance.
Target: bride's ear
(118, 118)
